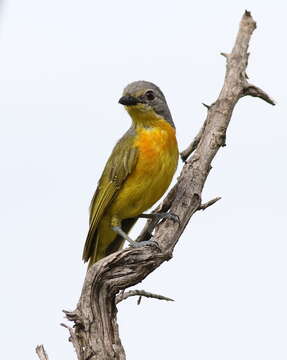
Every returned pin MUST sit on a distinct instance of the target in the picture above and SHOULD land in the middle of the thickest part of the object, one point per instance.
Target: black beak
(128, 100)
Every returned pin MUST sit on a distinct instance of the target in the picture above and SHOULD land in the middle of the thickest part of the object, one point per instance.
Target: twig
(224, 54)
(209, 203)
(41, 352)
(75, 341)
(124, 295)
(206, 106)
(190, 149)
(255, 91)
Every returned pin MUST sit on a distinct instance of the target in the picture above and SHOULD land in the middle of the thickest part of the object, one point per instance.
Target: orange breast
(156, 142)
(157, 162)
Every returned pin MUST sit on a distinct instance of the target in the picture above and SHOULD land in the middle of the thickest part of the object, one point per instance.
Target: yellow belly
(156, 165)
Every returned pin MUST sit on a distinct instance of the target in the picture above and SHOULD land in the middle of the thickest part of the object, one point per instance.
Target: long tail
(107, 241)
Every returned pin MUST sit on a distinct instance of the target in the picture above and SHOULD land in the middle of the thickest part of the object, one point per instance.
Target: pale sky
(63, 65)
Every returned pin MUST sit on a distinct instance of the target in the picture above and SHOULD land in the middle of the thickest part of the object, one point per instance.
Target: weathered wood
(126, 294)
(40, 351)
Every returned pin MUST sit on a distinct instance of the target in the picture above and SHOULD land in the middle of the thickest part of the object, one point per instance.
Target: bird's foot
(138, 244)
(160, 216)
(134, 244)
(155, 218)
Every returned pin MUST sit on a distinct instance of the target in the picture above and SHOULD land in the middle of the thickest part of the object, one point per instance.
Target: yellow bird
(137, 173)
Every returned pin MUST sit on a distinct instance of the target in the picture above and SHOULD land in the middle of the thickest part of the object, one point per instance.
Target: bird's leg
(132, 243)
(156, 217)
(117, 228)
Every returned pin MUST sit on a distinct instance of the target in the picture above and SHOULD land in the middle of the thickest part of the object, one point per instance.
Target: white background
(63, 65)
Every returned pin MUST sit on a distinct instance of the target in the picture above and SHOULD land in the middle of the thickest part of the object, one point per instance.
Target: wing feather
(120, 164)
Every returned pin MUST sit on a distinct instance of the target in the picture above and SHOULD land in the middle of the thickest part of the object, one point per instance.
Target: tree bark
(95, 334)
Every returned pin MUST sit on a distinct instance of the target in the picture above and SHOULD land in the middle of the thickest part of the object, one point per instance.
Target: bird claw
(168, 216)
(173, 217)
(161, 216)
(138, 244)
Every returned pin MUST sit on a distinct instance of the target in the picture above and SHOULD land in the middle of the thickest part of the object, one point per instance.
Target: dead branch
(209, 203)
(74, 341)
(40, 351)
(187, 152)
(124, 295)
(95, 324)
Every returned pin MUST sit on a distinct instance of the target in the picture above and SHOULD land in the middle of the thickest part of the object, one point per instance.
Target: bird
(137, 173)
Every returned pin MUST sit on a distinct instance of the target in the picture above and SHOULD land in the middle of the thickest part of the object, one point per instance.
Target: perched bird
(137, 173)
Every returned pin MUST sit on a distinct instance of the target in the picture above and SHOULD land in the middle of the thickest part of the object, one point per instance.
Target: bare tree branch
(255, 91)
(41, 352)
(187, 152)
(209, 203)
(95, 323)
(75, 341)
(124, 295)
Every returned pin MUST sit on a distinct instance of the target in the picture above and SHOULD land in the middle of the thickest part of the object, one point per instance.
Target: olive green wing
(120, 164)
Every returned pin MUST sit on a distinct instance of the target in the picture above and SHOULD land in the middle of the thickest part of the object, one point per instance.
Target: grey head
(145, 92)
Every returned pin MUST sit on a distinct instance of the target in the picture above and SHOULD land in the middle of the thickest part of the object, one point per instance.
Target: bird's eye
(150, 95)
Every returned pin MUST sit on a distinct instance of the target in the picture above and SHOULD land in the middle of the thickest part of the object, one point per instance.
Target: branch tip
(190, 149)
(74, 340)
(41, 352)
(224, 55)
(207, 106)
(123, 296)
(209, 203)
(255, 91)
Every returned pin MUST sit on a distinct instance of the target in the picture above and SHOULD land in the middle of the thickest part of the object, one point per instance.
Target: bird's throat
(143, 116)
